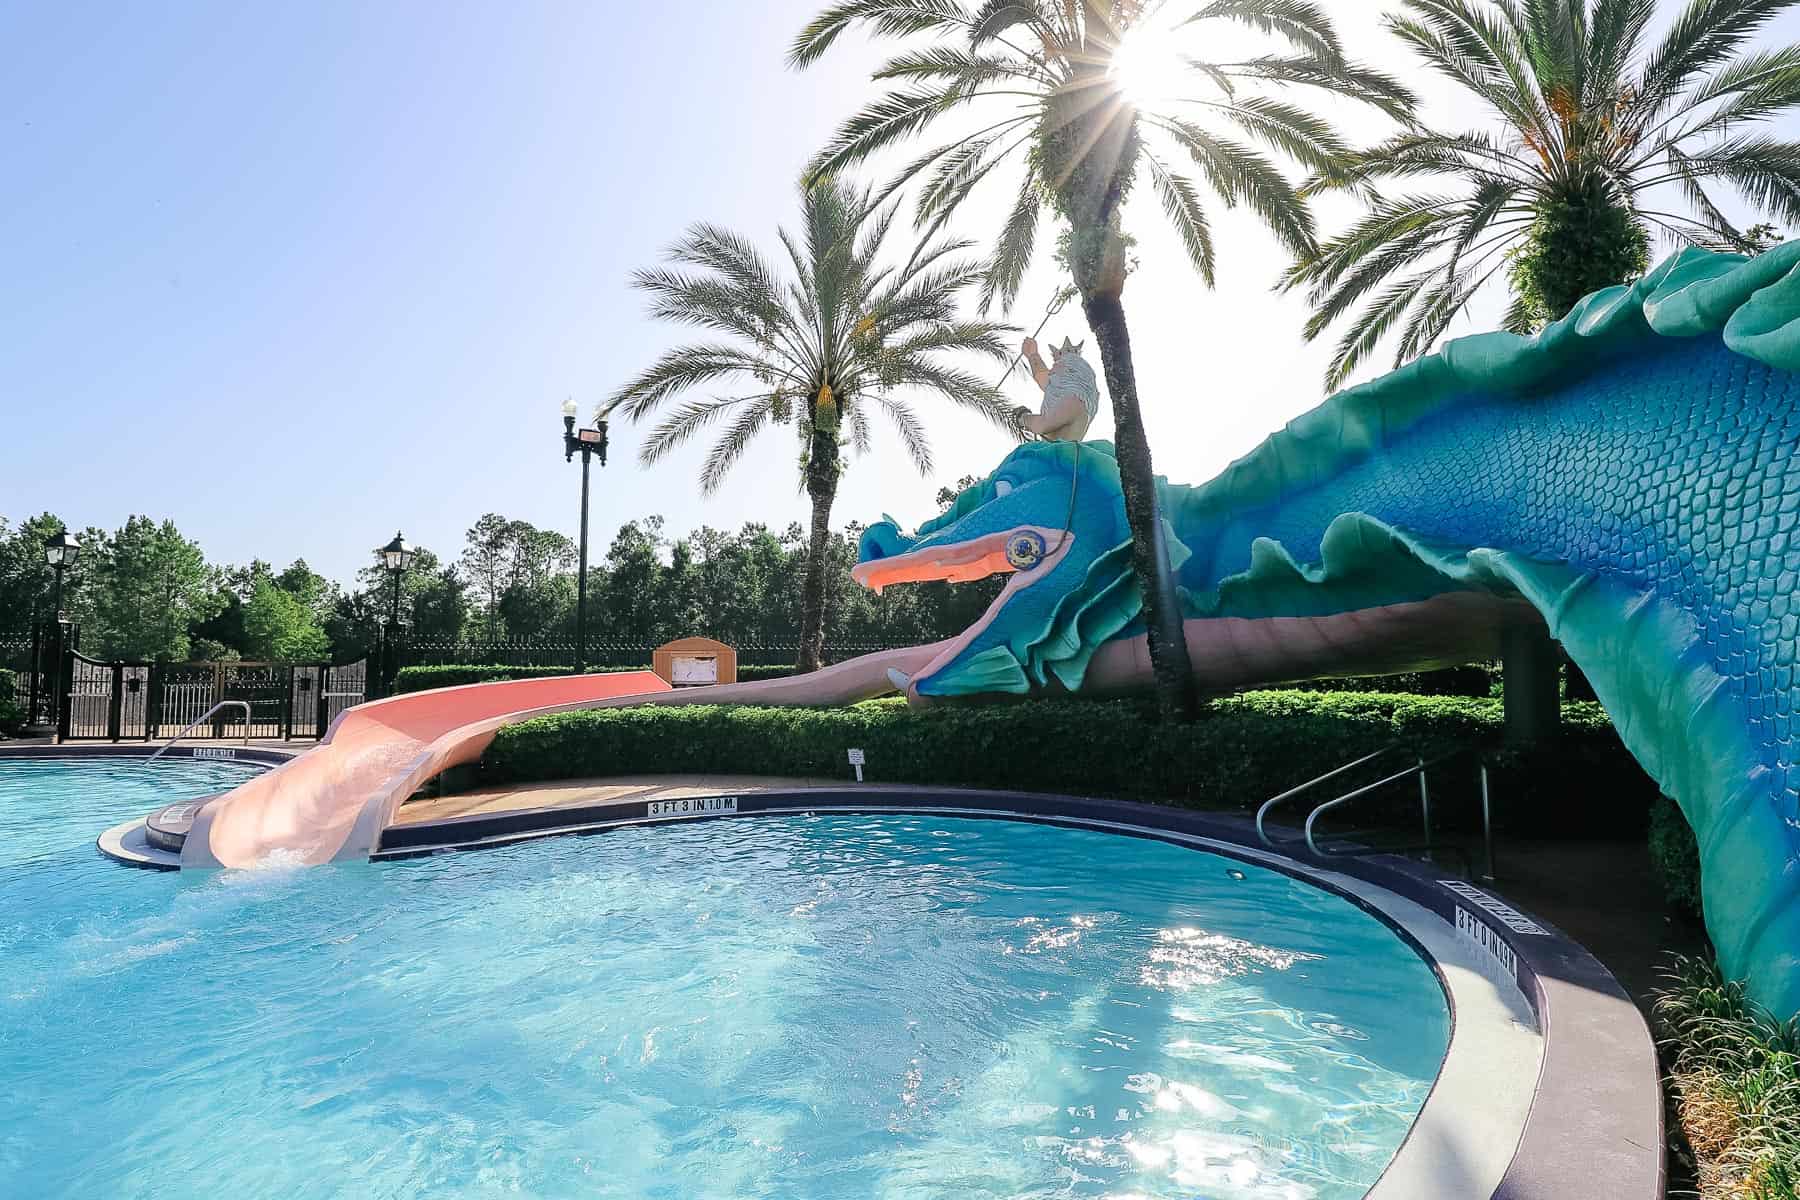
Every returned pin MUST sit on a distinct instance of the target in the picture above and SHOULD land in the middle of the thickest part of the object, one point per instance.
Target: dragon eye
(1025, 550)
(1002, 486)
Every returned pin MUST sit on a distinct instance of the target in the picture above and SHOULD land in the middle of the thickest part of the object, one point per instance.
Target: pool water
(811, 1008)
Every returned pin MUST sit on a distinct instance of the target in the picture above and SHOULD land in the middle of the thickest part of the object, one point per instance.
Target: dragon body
(1630, 478)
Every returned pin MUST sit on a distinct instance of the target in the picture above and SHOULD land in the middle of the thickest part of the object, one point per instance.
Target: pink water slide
(332, 803)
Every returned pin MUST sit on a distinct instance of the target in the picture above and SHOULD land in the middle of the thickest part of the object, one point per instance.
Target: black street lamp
(590, 442)
(60, 551)
(395, 558)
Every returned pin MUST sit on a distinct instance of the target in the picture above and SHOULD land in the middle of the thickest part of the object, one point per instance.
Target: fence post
(63, 687)
(287, 704)
(115, 703)
(37, 673)
(324, 705)
(153, 701)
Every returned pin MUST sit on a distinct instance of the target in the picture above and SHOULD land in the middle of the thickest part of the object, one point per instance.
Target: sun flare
(1150, 65)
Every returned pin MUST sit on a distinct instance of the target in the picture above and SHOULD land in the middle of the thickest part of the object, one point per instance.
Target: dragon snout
(881, 540)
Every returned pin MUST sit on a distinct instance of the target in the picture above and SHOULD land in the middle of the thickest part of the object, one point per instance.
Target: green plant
(1675, 856)
(1595, 124)
(753, 674)
(1735, 1079)
(1243, 750)
(1471, 680)
(840, 342)
(12, 713)
(1075, 99)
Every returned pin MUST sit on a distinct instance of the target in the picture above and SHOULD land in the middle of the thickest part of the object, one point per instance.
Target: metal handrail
(1263, 812)
(202, 719)
(1418, 768)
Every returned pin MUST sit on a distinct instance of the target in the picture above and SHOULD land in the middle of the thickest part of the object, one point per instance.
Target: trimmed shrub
(423, 679)
(1675, 855)
(1244, 749)
(1474, 679)
(753, 674)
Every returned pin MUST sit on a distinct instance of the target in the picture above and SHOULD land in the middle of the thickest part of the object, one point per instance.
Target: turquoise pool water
(806, 1008)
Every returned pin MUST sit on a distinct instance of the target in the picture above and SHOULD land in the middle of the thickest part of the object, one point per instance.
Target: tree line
(147, 592)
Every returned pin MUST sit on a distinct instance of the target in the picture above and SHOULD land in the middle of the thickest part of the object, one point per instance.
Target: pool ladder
(1419, 767)
(205, 717)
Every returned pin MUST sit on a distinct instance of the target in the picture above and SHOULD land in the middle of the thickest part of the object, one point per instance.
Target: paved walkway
(582, 792)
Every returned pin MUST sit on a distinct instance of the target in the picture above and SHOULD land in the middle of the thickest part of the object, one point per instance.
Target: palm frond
(1181, 203)
(1707, 33)
(1239, 175)
(888, 18)
(1013, 252)
(1300, 22)
(731, 445)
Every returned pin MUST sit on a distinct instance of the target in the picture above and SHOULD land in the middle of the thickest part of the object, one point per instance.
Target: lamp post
(395, 558)
(60, 551)
(590, 442)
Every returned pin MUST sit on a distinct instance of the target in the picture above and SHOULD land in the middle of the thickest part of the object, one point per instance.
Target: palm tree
(1076, 98)
(1598, 141)
(825, 350)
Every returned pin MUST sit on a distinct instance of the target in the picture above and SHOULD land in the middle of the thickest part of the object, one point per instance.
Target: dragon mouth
(955, 562)
(965, 562)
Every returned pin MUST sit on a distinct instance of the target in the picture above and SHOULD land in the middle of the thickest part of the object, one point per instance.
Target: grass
(1734, 1083)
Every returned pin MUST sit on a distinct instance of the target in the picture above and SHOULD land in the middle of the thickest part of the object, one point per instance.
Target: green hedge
(421, 679)
(1242, 751)
(1675, 855)
(1473, 680)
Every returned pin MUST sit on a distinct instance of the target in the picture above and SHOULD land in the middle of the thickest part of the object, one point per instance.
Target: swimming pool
(818, 1007)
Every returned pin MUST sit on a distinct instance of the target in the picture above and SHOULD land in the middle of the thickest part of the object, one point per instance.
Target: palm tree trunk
(821, 486)
(1176, 697)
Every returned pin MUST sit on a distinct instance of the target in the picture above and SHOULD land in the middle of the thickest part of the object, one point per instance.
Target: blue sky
(297, 275)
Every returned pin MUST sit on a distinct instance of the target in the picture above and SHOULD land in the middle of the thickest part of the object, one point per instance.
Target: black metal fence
(125, 701)
(535, 653)
(28, 655)
(143, 701)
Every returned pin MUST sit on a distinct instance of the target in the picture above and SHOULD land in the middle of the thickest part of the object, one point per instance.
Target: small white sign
(856, 758)
(214, 752)
(693, 806)
(694, 671)
(1474, 929)
(1507, 915)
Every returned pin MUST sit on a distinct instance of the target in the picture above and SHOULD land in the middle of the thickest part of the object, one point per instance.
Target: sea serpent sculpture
(1630, 478)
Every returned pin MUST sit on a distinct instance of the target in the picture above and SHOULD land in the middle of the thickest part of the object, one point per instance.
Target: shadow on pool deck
(1605, 896)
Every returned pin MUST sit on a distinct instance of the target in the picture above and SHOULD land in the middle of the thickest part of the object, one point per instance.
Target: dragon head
(1052, 516)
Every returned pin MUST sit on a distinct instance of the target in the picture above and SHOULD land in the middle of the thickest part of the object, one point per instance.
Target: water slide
(332, 803)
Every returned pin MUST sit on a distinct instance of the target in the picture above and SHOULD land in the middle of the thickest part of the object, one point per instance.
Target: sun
(1151, 65)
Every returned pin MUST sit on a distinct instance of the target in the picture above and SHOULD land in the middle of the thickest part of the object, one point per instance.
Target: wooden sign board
(694, 662)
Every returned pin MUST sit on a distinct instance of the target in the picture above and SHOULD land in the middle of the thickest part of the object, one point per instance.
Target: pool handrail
(1263, 812)
(203, 718)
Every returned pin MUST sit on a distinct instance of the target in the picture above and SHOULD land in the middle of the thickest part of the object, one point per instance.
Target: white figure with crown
(1071, 393)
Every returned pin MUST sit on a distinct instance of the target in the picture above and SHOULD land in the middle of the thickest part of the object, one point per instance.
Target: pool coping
(1595, 1122)
(262, 755)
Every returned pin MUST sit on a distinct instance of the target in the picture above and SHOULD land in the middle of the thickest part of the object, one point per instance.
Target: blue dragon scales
(1629, 477)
